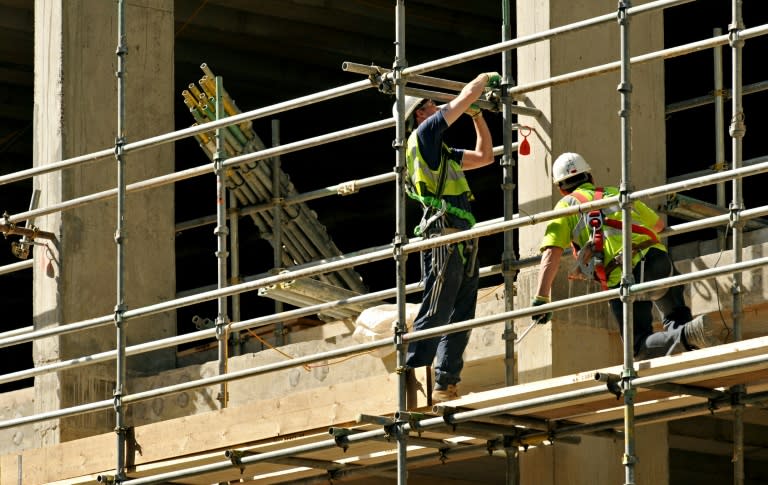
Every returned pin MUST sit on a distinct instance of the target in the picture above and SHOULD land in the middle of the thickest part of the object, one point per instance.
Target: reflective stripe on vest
(425, 180)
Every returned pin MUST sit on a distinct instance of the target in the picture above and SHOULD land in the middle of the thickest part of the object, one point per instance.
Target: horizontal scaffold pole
(653, 56)
(343, 134)
(327, 94)
(760, 165)
(353, 438)
(206, 169)
(21, 335)
(500, 47)
(191, 131)
(414, 336)
(13, 267)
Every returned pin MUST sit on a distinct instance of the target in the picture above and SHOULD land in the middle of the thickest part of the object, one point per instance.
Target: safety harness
(596, 220)
(435, 206)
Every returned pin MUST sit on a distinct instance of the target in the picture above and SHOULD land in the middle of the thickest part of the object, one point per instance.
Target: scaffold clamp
(340, 437)
(106, 479)
(235, 456)
(448, 418)
(628, 459)
(443, 455)
(411, 418)
(734, 215)
(611, 382)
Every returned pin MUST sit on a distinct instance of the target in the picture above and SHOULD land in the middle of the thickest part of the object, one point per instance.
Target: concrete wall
(714, 296)
(75, 113)
(581, 117)
(16, 404)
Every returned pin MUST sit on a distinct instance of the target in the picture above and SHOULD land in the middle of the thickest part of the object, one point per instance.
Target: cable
(717, 288)
(191, 17)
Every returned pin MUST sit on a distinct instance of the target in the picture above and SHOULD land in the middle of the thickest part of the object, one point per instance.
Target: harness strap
(616, 262)
(429, 201)
(595, 220)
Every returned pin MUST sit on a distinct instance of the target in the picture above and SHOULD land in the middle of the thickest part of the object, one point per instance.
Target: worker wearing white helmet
(437, 181)
(596, 237)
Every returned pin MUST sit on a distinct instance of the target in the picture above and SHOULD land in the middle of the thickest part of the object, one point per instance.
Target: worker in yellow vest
(436, 180)
(596, 237)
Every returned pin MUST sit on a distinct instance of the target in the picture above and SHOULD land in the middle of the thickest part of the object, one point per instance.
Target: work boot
(702, 332)
(448, 394)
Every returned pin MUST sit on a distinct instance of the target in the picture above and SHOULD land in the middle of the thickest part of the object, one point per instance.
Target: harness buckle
(426, 222)
(595, 219)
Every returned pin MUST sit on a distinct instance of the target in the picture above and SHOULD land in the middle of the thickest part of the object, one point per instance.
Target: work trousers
(450, 295)
(671, 303)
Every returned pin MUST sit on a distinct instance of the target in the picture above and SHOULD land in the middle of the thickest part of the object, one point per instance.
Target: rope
(307, 367)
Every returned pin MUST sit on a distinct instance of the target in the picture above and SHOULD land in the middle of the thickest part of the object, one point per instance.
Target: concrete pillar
(582, 117)
(76, 113)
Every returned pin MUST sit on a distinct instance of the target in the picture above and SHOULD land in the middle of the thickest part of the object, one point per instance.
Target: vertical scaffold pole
(234, 267)
(277, 225)
(719, 128)
(120, 337)
(737, 130)
(508, 257)
(627, 280)
(221, 232)
(400, 232)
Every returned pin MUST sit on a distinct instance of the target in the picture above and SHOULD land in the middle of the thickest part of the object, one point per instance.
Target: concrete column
(582, 117)
(76, 113)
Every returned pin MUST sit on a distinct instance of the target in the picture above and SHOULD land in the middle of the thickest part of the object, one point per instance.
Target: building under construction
(202, 197)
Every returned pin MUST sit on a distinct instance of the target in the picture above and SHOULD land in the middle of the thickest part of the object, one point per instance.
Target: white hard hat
(567, 165)
(411, 102)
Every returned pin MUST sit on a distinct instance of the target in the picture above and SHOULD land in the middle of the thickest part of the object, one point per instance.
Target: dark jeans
(450, 295)
(675, 313)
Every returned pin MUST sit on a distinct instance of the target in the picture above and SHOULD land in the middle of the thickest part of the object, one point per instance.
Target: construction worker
(597, 241)
(437, 181)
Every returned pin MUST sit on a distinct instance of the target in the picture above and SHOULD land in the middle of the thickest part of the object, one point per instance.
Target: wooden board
(580, 409)
(274, 419)
(303, 418)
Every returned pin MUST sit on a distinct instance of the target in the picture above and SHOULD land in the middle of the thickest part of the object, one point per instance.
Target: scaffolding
(501, 421)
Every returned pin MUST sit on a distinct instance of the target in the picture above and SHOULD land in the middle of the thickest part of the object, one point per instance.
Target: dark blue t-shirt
(430, 137)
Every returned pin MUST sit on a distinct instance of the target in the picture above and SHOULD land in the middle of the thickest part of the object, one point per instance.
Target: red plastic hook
(525, 147)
